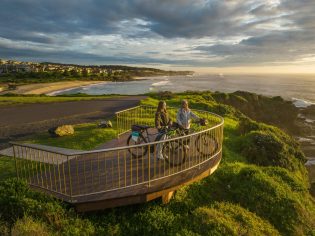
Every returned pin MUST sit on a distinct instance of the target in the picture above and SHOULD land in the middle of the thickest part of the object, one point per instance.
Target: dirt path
(22, 120)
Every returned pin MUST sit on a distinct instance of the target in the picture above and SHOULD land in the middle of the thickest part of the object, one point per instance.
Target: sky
(221, 36)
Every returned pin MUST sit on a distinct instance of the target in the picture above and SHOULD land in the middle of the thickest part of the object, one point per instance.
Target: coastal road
(21, 120)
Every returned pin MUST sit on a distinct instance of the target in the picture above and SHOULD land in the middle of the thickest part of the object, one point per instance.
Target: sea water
(298, 88)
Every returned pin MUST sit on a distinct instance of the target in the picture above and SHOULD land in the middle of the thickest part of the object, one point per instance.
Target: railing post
(16, 169)
(70, 179)
(117, 125)
(149, 165)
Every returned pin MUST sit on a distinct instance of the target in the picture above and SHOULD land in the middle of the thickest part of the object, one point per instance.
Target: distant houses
(10, 66)
(71, 70)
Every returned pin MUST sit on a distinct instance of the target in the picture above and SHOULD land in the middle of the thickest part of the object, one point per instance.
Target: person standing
(184, 117)
(162, 122)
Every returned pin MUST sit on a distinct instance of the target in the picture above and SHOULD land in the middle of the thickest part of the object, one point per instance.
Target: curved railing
(79, 176)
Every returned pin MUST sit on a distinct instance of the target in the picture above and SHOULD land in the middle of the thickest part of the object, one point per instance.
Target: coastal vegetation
(260, 188)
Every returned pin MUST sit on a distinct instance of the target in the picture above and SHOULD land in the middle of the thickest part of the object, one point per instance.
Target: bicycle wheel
(137, 152)
(174, 152)
(206, 144)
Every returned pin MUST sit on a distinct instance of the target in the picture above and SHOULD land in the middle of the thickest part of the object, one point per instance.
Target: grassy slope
(239, 198)
(28, 99)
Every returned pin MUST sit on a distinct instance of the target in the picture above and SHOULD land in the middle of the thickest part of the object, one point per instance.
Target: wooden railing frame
(69, 154)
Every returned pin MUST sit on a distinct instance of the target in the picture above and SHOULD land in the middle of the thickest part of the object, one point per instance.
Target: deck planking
(111, 175)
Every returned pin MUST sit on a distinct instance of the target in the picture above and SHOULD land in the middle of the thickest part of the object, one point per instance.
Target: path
(21, 120)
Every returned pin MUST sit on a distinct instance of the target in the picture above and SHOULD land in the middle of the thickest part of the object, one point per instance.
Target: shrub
(247, 125)
(4, 228)
(76, 226)
(271, 193)
(13, 200)
(265, 148)
(228, 219)
(273, 111)
(155, 220)
(17, 200)
(64, 130)
(163, 95)
(28, 227)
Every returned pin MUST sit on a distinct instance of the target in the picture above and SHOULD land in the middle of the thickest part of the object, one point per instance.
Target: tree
(85, 72)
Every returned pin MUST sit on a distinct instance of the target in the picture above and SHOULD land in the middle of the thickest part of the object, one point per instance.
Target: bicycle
(175, 151)
(137, 137)
(140, 135)
(206, 143)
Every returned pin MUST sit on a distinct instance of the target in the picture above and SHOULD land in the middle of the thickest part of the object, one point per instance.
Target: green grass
(86, 137)
(7, 167)
(240, 198)
(6, 100)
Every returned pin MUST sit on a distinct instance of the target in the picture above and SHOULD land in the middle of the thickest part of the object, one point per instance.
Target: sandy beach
(46, 88)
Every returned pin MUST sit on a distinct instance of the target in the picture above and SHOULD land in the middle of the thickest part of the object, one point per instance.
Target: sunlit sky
(224, 36)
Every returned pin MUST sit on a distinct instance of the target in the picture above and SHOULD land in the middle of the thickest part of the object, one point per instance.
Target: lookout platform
(111, 176)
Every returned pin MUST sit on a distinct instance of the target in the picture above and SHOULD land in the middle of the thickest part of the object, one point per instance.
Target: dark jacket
(162, 120)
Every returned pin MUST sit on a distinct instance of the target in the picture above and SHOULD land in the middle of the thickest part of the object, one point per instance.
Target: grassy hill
(260, 188)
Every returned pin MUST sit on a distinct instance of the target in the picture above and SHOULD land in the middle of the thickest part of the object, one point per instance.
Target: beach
(47, 88)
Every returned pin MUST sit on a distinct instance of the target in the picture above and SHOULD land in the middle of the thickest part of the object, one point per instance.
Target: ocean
(298, 88)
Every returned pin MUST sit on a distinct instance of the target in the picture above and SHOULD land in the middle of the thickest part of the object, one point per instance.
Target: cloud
(200, 32)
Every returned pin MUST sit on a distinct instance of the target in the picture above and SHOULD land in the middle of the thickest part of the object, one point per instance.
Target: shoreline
(53, 88)
(50, 88)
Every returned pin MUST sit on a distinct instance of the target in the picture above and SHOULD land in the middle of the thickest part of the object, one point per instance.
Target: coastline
(49, 88)
(55, 87)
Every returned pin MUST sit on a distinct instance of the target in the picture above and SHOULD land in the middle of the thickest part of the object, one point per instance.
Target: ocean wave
(82, 87)
(161, 83)
(59, 92)
(301, 103)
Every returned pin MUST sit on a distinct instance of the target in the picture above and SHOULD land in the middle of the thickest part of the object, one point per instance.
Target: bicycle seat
(139, 127)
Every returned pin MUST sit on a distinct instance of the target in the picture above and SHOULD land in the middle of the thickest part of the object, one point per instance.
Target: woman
(184, 116)
(162, 121)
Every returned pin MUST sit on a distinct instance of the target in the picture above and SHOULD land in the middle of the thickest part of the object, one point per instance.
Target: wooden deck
(114, 178)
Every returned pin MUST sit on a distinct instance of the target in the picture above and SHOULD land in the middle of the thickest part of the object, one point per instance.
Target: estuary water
(299, 88)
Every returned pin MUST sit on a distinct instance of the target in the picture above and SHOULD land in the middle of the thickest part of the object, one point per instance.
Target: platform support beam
(167, 197)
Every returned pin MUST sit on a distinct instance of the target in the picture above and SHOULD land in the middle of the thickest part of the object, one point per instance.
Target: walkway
(21, 120)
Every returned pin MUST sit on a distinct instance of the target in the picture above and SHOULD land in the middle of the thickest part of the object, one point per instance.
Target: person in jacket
(162, 122)
(185, 116)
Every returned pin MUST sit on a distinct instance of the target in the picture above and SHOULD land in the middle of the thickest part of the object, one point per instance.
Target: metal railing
(71, 174)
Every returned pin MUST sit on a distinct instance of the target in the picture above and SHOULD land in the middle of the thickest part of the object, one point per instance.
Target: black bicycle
(175, 151)
(139, 135)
